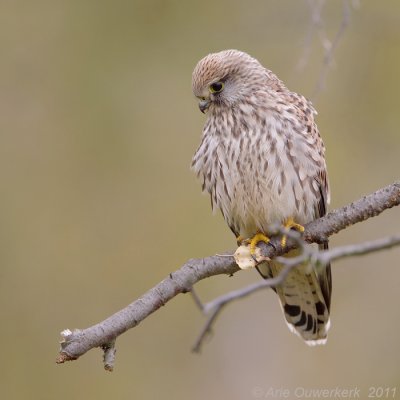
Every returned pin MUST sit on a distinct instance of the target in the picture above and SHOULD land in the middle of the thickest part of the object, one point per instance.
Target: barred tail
(305, 300)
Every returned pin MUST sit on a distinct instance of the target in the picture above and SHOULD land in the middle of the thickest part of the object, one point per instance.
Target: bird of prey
(262, 161)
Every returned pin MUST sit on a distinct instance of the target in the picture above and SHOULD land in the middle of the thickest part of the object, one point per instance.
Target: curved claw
(259, 237)
(290, 224)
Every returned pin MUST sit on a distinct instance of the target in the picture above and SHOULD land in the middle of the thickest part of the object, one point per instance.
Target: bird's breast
(250, 175)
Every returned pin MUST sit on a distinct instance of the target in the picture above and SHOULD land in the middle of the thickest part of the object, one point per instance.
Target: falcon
(262, 161)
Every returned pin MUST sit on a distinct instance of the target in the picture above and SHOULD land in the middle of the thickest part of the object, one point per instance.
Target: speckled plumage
(261, 158)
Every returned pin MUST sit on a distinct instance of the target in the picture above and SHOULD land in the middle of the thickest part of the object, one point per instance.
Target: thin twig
(330, 48)
(109, 355)
(197, 300)
(315, 24)
(317, 27)
(325, 257)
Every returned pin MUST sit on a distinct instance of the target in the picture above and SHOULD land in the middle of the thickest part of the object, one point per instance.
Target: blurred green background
(98, 126)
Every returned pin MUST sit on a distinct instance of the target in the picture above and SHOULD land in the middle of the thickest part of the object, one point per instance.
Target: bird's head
(224, 78)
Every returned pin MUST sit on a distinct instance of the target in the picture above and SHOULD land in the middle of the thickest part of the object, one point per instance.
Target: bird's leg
(259, 237)
(290, 224)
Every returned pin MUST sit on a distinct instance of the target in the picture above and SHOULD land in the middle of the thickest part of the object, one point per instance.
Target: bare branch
(214, 307)
(368, 206)
(75, 344)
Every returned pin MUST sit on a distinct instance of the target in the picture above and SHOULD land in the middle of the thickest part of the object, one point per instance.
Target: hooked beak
(203, 105)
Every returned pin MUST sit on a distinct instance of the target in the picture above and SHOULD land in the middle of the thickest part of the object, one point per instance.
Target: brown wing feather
(324, 275)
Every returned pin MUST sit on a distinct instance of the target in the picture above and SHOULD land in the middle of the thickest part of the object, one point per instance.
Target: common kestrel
(262, 161)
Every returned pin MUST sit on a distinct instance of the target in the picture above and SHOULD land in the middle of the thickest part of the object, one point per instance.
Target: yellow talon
(290, 224)
(259, 237)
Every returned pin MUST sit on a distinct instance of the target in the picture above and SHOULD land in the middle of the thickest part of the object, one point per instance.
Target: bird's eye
(216, 87)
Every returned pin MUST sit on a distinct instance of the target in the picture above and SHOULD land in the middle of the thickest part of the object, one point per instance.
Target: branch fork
(104, 334)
